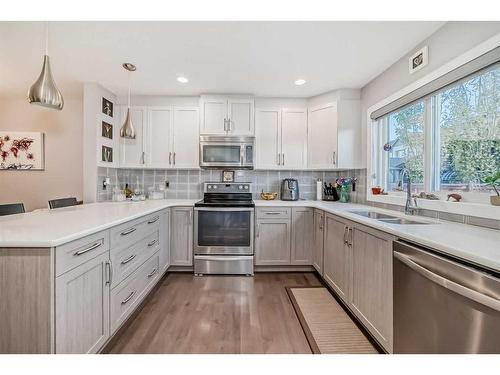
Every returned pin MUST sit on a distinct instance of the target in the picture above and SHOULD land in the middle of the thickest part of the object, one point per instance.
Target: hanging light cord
(47, 38)
(129, 88)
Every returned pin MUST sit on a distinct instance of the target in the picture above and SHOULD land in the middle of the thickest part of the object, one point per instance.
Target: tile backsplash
(188, 184)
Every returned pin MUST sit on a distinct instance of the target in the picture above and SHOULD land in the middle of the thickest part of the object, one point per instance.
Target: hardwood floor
(218, 314)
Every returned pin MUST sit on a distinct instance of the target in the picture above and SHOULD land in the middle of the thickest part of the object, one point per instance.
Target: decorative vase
(344, 193)
(495, 200)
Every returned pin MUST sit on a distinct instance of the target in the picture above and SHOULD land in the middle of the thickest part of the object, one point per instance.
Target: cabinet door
(294, 138)
(272, 242)
(159, 137)
(213, 114)
(240, 113)
(302, 235)
(165, 241)
(317, 253)
(82, 308)
(267, 138)
(132, 150)
(336, 256)
(181, 236)
(186, 138)
(322, 137)
(371, 288)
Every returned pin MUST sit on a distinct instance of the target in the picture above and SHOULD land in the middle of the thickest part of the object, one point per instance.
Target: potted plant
(494, 181)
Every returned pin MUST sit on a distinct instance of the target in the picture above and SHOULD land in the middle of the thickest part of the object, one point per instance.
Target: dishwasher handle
(471, 294)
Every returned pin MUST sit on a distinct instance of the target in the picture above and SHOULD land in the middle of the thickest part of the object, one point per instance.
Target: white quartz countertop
(49, 228)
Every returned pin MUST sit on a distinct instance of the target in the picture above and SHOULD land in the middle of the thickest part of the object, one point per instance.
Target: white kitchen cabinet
(318, 240)
(165, 241)
(82, 307)
(226, 115)
(371, 287)
(132, 151)
(166, 137)
(281, 138)
(337, 256)
(302, 235)
(181, 236)
(159, 137)
(322, 137)
(272, 242)
(186, 138)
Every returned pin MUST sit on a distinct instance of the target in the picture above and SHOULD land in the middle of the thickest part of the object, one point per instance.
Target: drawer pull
(129, 297)
(273, 213)
(91, 247)
(153, 220)
(128, 231)
(125, 261)
(152, 243)
(152, 273)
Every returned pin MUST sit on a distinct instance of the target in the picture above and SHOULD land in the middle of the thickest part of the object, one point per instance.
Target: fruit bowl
(268, 196)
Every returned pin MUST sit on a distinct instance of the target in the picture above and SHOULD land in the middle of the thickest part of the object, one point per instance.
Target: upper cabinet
(226, 115)
(334, 135)
(281, 138)
(166, 137)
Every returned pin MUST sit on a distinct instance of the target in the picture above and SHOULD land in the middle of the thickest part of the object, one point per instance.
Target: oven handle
(251, 209)
(222, 258)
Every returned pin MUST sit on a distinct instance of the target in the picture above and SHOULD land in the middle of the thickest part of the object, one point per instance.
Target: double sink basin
(387, 218)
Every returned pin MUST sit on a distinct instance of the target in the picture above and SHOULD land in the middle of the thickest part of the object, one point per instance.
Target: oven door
(223, 230)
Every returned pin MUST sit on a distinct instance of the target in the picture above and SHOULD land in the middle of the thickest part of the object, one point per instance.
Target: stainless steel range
(223, 229)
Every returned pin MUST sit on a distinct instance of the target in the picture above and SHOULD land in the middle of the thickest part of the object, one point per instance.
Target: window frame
(480, 208)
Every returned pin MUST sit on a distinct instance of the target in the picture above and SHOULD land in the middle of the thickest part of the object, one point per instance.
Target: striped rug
(327, 326)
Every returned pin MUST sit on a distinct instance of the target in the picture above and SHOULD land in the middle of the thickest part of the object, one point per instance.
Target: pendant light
(127, 130)
(44, 91)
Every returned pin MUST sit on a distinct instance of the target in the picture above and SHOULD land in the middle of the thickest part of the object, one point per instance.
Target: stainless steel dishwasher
(442, 305)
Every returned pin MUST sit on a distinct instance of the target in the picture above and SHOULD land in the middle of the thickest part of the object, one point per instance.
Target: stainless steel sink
(389, 219)
(373, 215)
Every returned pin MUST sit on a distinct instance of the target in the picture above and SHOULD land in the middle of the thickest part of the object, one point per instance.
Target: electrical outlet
(167, 184)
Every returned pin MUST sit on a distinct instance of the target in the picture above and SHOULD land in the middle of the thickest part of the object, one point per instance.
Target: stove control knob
(246, 187)
(214, 187)
(240, 187)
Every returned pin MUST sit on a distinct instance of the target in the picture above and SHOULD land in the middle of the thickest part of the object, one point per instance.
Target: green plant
(493, 181)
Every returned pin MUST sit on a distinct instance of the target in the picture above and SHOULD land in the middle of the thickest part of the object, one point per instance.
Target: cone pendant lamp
(127, 130)
(44, 91)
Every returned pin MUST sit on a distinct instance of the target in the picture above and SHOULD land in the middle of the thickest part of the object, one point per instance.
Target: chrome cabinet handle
(152, 273)
(170, 158)
(174, 157)
(345, 235)
(107, 271)
(334, 157)
(277, 159)
(272, 213)
(151, 243)
(128, 231)
(129, 297)
(471, 294)
(349, 237)
(283, 159)
(225, 124)
(91, 247)
(125, 261)
(257, 231)
(153, 220)
(143, 157)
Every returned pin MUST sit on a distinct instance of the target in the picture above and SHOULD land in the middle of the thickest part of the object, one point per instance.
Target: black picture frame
(106, 130)
(107, 107)
(107, 154)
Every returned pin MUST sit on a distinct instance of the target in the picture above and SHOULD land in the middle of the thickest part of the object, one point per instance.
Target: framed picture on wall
(107, 107)
(22, 151)
(107, 154)
(106, 130)
(228, 176)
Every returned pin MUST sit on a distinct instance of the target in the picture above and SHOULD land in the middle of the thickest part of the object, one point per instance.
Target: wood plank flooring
(219, 314)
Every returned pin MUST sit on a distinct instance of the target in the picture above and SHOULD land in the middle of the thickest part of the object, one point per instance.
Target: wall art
(21, 150)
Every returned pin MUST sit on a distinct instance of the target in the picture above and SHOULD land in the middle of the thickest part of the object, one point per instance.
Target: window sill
(486, 211)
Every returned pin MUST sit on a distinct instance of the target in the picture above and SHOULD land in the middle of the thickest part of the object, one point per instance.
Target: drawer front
(72, 254)
(223, 265)
(126, 260)
(130, 293)
(274, 213)
(128, 233)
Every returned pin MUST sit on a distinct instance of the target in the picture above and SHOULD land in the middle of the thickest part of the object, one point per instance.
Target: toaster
(289, 189)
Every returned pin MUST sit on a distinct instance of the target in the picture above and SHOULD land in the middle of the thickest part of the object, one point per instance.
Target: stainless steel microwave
(226, 152)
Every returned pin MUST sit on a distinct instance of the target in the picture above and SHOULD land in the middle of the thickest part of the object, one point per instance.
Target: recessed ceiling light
(300, 82)
(182, 80)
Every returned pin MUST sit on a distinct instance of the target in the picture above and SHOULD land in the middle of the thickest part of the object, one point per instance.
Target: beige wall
(62, 176)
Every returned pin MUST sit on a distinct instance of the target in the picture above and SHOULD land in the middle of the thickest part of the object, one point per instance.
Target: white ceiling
(261, 58)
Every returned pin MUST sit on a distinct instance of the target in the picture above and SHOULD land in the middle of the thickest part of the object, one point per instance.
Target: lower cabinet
(302, 236)
(272, 242)
(336, 271)
(181, 236)
(82, 307)
(165, 241)
(318, 240)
